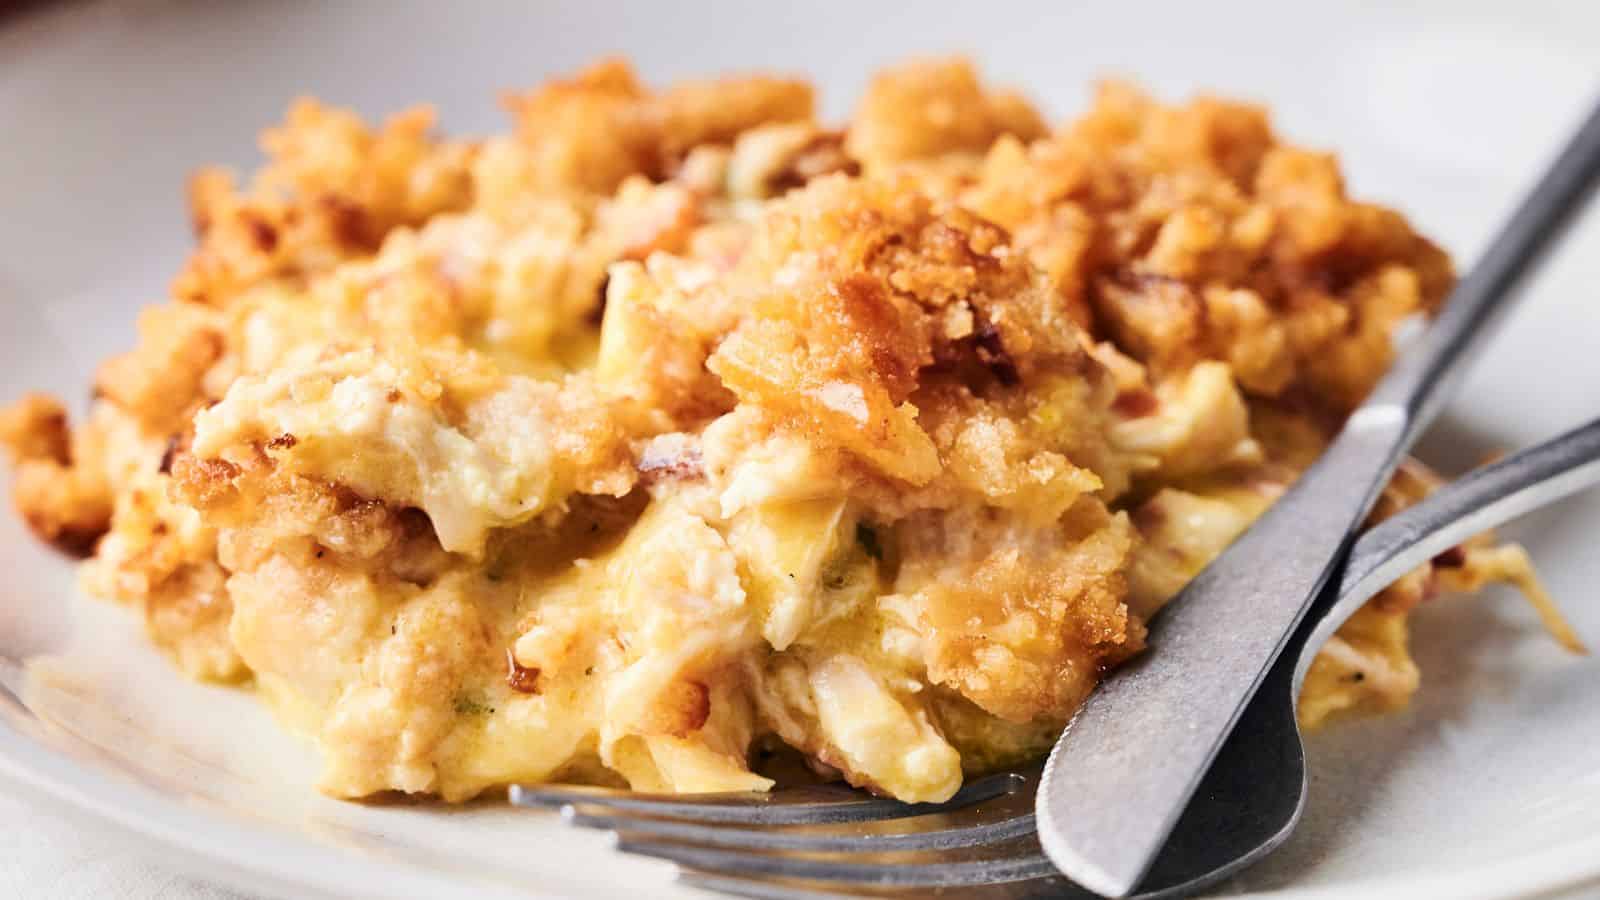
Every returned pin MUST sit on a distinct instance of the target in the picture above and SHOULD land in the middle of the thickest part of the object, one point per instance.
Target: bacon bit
(1136, 403)
(685, 466)
(261, 232)
(204, 481)
(822, 155)
(522, 679)
(992, 353)
(700, 706)
(1454, 558)
(283, 442)
(415, 522)
(1149, 516)
(682, 709)
(867, 539)
(597, 314)
(348, 221)
(174, 444)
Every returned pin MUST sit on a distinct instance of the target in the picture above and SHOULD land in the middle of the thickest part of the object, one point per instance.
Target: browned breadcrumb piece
(35, 429)
(66, 507)
(1056, 594)
(591, 131)
(161, 382)
(57, 486)
(332, 189)
(674, 422)
(929, 108)
(1187, 233)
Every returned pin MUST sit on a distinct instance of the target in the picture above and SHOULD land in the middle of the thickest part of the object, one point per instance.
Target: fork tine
(1031, 864)
(759, 890)
(750, 808)
(1052, 887)
(629, 828)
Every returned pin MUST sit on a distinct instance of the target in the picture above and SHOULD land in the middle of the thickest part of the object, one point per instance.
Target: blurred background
(1443, 108)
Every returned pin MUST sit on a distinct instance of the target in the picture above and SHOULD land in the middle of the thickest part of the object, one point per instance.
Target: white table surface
(45, 856)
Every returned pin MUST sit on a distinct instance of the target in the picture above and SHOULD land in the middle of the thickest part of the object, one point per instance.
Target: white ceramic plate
(1488, 786)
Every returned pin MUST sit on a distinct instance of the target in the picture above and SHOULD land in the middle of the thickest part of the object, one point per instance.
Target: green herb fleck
(467, 705)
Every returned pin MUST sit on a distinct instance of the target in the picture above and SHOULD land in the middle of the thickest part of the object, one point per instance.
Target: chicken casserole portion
(674, 425)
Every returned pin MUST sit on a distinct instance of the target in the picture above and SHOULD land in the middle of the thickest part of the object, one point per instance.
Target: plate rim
(257, 859)
(207, 844)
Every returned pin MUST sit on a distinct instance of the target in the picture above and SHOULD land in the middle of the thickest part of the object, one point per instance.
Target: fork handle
(1484, 498)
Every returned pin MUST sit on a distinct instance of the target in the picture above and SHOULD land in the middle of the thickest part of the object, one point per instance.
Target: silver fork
(831, 841)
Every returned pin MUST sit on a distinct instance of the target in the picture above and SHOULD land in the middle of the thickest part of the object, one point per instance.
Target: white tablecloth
(45, 856)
